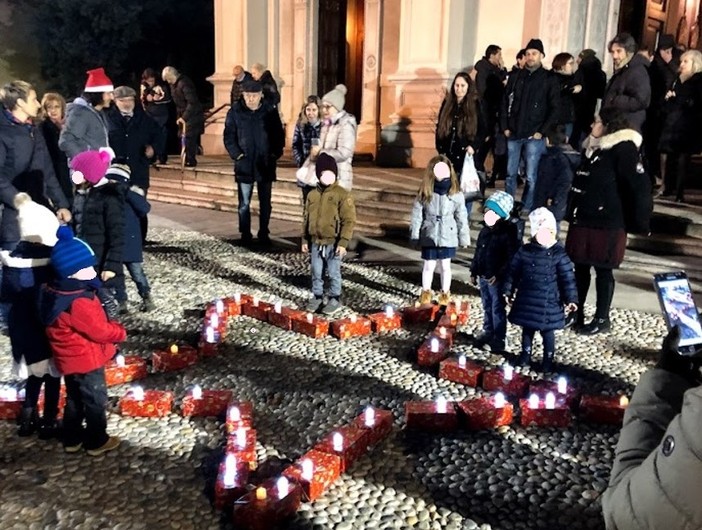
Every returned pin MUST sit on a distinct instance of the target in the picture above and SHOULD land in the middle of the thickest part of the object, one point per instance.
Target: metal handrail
(214, 112)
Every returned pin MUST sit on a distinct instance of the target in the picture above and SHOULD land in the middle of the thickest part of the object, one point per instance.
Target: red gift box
(448, 320)
(461, 309)
(345, 328)
(603, 409)
(559, 416)
(257, 309)
(175, 358)
(494, 381)
(212, 403)
(541, 388)
(251, 513)
(247, 453)
(208, 349)
(379, 429)
(468, 374)
(156, 404)
(419, 314)
(381, 322)
(226, 494)
(61, 403)
(284, 319)
(134, 368)
(326, 468)
(317, 328)
(212, 318)
(11, 405)
(355, 445)
(245, 416)
(234, 306)
(423, 415)
(427, 357)
(481, 413)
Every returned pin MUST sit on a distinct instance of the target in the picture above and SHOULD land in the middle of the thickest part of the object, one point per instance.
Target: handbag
(470, 180)
(306, 174)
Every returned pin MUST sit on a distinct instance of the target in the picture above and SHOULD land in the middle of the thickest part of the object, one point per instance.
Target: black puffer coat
(566, 106)
(129, 138)
(530, 103)
(557, 168)
(59, 161)
(593, 80)
(682, 118)
(494, 250)
(103, 225)
(629, 91)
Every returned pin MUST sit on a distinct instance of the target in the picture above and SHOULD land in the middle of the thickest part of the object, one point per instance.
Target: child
(136, 208)
(540, 283)
(327, 228)
(439, 224)
(82, 339)
(102, 224)
(25, 269)
(497, 243)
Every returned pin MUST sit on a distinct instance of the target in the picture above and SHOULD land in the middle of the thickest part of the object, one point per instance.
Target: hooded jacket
(329, 217)
(629, 90)
(135, 208)
(103, 225)
(85, 129)
(557, 168)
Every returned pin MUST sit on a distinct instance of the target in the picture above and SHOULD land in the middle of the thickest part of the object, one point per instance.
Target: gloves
(671, 361)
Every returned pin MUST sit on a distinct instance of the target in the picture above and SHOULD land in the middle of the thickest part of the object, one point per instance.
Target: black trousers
(604, 286)
(86, 399)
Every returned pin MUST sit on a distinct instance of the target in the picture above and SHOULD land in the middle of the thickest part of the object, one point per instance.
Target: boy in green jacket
(327, 228)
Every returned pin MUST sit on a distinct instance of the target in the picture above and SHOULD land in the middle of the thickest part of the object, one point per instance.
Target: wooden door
(331, 45)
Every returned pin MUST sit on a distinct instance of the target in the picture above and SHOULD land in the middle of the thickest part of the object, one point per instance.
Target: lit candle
(307, 469)
(210, 335)
(369, 417)
(533, 401)
(623, 401)
(237, 298)
(196, 392)
(8, 394)
(241, 437)
(434, 345)
(214, 320)
(441, 405)
(219, 306)
(353, 318)
(417, 305)
(442, 332)
(229, 478)
(462, 361)
(338, 441)
(562, 385)
(551, 401)
(234, 414)
(255, 301)
(119, 360)
(138, 393)
(261, 494)
(174, 348)
(499, 400)
(389, 311)
(454, 317)
(310, 318)
(283, 487)
(507, 372)
(278, 307)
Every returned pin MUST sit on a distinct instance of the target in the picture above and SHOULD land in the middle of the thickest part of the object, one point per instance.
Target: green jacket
(330, 216)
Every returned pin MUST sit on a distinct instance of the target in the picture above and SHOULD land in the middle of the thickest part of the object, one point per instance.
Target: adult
(529, 110)
(563, 67)
(338, 136)
(189, 111)
(240, 76)
(610, 196)
(519, 61)
(681, 135)
(254, 139)
(593, 80)
(629, 88)
(156, 102)
(25, 164)
(54, 109)
(307, 131)
(270, 88)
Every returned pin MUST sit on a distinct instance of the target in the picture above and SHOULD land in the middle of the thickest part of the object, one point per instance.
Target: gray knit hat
(336, 97)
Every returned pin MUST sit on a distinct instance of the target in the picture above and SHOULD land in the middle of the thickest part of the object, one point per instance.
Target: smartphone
(679, 309)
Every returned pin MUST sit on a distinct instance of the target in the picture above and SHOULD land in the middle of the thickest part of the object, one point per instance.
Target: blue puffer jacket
(544, 282)
(442, 222)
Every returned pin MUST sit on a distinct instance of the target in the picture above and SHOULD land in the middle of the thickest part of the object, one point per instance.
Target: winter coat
(136, 208)
(85, 129)
(302, 140)
(129, 138)
(237, 89)
(270, 89)
(494, 250)
(557, 168)
(254, 140)
(24, 270)
(454, 146)
(682, 116)
(662, 76)
(329, 216)
(530, 103)
(338, 140)
(542, 282)
(188, 105)
(81, 337)
(59, 161)
(103, 225)
(592, 78)
(441, 222)
(157, 110)
(657, 473)
(629, 91)
(25, 165)
(566, 106)
(489, 81)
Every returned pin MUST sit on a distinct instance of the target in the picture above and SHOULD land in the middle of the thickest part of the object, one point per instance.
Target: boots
(27, 422)
(524, 358)
(444, 298)
(147, 304)
(598, 325)
(48, 428)
(547, 365)
(425, 297)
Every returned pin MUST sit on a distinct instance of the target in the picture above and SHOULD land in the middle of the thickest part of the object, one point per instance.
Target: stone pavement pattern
(513, 478)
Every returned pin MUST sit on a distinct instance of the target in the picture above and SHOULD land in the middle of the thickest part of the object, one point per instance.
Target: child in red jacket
(82, 340)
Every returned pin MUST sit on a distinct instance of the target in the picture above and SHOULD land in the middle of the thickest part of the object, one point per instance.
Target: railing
(211, 116)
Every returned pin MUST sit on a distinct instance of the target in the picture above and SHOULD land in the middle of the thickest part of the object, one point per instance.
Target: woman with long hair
(307, 129)
(53, 107)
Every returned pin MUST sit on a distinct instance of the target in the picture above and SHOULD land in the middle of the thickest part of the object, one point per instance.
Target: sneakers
(71, 449)
(444, 298)
(598, 325)
(425, 297)
(331, 307)
(147, 304)
(314, 304)
(111, 443)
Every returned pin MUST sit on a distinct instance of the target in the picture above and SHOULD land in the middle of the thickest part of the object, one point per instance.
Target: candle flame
(499, 400)
(138, 393)
(255, 301)
(370, 417)
(241, 437)
(434, 344)
(229, 478)
(120, 361)
(283, 487)
(237, 297)
(441, 405)
(210, 335)
(338, 441)
(442, 332)
(508, 372)
(307, 469)
(214, 320)
(389, 311)
(197, 392)
(550, 401)
(354, 318)
(310, 318)
(174, 348)
(219, 306)
(623, 401)
(234, 414)
(261, 494)
(533, 401)
(562, 385)
(278, 307)
(462, 361)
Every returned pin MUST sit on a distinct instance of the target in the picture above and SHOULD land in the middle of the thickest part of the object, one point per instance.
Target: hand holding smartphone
(679, 309)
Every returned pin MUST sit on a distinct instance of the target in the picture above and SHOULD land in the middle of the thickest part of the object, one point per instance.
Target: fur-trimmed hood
(610, 140)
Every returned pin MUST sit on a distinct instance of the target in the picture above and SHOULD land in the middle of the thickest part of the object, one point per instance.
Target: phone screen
(679, 307)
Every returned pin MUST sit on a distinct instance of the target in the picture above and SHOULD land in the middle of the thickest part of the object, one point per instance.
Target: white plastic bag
(470, 180)
(306, 174)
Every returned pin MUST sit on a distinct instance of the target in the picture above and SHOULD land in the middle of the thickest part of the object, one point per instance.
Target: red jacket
(82, 338)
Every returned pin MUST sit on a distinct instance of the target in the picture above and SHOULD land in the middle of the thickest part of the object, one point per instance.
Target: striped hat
(70, 254)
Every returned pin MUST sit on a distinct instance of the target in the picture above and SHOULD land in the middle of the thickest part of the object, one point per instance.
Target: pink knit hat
(91, 166)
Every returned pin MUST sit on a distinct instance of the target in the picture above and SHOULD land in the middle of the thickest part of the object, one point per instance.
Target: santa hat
(91, 166)
(37, 223)
(98, 81)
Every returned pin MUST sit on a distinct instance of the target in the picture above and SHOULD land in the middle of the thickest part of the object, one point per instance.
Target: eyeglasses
(326, 106)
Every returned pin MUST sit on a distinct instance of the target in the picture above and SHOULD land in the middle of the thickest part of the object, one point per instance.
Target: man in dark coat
(188, 111)
(240, 77)
(629, 89)
(592, 78)
(268, 84)
(254, 139)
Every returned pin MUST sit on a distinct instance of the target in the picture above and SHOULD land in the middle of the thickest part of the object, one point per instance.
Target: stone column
(369, 128)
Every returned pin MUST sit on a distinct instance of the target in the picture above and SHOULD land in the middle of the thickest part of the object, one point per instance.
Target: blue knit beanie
(70, 254)
(501, 203)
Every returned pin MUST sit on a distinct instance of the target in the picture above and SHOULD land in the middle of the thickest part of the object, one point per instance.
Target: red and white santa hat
(98, 81)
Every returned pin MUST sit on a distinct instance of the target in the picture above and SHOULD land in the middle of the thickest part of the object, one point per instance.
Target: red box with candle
(10, 406)
(481, 413)
(213, 317)
(559, 416)
(494, 381)
(419, 314)
(208, 349)
(245, 416)
(257, 309)
(156, 404)
(461, 309)
(444, 333)
(345, 328)
(541, 388)
(247, 453)
(61, 404)
(432, 351)
(448, 320)
(316, 328)
(379, 429)
(233, 306)
(134, 368)
(423, 415)
(608, 410)
(212, 403)
(355, 445)
(175, 358)
(326, 468)
(226, 494)
(381, 322)
(284, 319)
(468, 374)
(251, 513)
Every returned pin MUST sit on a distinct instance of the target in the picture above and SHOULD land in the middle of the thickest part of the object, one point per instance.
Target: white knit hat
(37, 223)
(542, 218)
(336, 97)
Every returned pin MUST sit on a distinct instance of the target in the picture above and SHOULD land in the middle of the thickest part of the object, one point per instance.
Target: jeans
(533, 149)
(136, 271)
(494, 313)
(86, 399)
(321, 256)
(245, 191)
(549, 338)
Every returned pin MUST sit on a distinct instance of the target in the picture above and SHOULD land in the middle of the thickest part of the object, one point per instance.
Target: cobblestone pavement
(513, 478)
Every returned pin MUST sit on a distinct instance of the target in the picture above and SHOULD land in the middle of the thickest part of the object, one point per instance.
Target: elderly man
(188, 111)
(254, 139)
(270, 88)
(240, 77)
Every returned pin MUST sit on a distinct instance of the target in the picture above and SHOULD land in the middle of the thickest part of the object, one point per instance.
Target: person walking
(189, 111)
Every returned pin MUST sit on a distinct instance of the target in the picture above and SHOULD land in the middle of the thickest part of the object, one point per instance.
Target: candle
(623, 401)
(353, 318)
(369, 418)
(389, 311)
(278, 307)
(562, 385)
(550, 401)
(241, 437)
(255, 301)
(283, 487)
(237, 298)
(214, 320)
(307, 469)
(229, 478)
(508, 372)
(219, 306)
(138, 393)
(462, 361)
(454, 317)
(434, 345)
(119, 360)
(442, 332)
(533, 401)
(441, 405)
(210, 335)
(310, 318)
(174, 348)
(417, 305)
(234, 414)
(8, 394)
(261, 494)
(196, 392)
(499, 400)
(338, 441)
